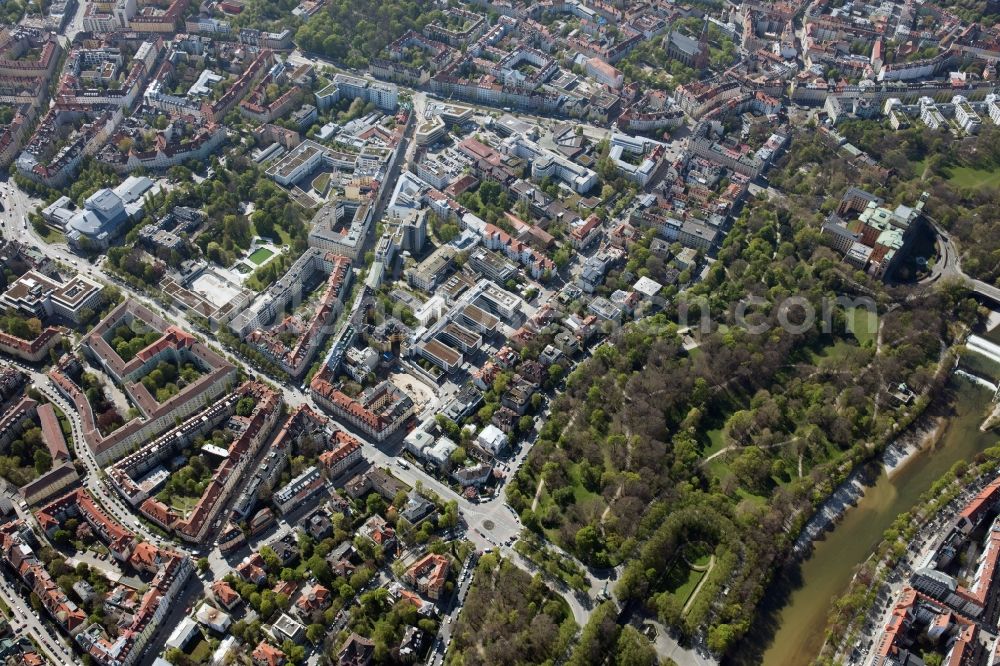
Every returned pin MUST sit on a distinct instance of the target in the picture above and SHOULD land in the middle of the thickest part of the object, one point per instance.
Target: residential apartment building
(38, 295)
(175, 345)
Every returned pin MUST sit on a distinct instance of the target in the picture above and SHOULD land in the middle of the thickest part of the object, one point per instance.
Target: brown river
(799, 623)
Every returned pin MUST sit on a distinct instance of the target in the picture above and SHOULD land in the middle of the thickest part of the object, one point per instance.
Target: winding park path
(538, 493)
(737, 447)
(707, 568)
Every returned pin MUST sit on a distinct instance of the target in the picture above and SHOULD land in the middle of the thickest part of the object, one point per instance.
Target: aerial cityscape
(500, 333)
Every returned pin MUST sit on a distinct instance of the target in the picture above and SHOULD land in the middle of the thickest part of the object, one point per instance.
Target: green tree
(588, 542)
(271, 559)
(315, 633)
(633, 649)
(245, 406)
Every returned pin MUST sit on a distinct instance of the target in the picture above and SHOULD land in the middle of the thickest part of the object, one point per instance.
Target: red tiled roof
(266, 654)
(52, 432)
(584, 229)
(887, 644)
(478, 150)
(984, 578)
(346, 445)
(979, 502)
(314, 598)
(226, 595)
(158, 511)
(145, 556)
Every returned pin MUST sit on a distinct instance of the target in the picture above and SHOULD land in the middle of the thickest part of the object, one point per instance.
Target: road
(16, 227)
(667, 646)
(14, 219)
(93, 478)
(505, 525)
(593, 132)
(928, 540)
(949, 265)
(449, 618)
(491, 523)
(75, 24)
(25, 620)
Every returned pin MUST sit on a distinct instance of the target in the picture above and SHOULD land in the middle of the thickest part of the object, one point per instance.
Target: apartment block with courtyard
(128, 347)
(246, 417)
(378, 412)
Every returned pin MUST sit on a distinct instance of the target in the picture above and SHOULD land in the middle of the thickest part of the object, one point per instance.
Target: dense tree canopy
(662, 456)
(509, 618)
(356, 32)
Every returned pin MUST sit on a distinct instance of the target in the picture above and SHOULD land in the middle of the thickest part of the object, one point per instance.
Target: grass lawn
(963, 176)
(552, 534)
(716, 440)
(719, 467)
(260, 255)
(183, 503)
(283, 236)
(837, 350)
(52, 236)
(864, 325)
(320, 182)
(201, 652)
(580, 493)
(970, 177)
(681, 580)
(756, 499)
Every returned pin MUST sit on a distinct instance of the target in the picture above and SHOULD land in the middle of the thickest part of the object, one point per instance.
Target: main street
(481, 516)
(93, 480)
(491, 524)
(421, 95)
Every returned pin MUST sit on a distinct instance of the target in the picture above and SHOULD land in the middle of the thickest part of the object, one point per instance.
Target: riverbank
(880, 579)
(993, 420)
(922, 435)
(790, 627)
